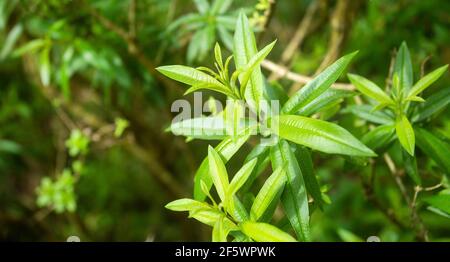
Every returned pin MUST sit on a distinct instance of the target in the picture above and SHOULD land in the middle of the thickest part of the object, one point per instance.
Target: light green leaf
(30, 47)
(218, 173)
(186, 204)
(379, 136)
(254, 62)
(426, 81)
(270, 192)
(433, 104)
(435, 148)
(241, 177)
(366, 112)
(403, 68)
(319, 135)
(227, 148)
(328, 99)
(208, 128)
(219, 232)
(11, 40)
(263, 232)
(317, 86)
(294, 197)
(225, 36)
(220, 6)
(405, 134)
(370, 89)
(190, 76)
(44, 66)
(244, 50)
(202, 6)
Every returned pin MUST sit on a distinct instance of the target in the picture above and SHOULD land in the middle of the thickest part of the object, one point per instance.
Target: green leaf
(433, 104)
(328, 99)
(218, 55)
(44, 66)
(225, 36)
(190, 76)
(201, 43)
(317, 86)
(261, 153)
(269, 193)
(366, 112)
(263, 232)
(218, 173)
(403, 68)
(227, 148)
(440, 201)
(202, 6)
(186, 204)
(370, 89)
(435, 148)
(426, 81)
(410, 164)
(294, 197)
(244, 50)
(241, 177)
(254, 62)
(306, 166)
(319, 135)
(208, 128)
(184, 20)
(220, 6)
(379, 137)
(239, 212)
(219, 232)
(30, 47)
(405, 134)
(10, 41)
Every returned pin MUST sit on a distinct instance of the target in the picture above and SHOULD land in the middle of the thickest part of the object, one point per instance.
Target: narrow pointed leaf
(294, 197)
(379, 137)
(318, 85)
(366, 112)
(370, 89)
(435, 148)
(403, 68)
(186, 204)
(405, 134)
(328, 99)
(202, 6)
(433, 104)
(410, 163)
(306, 166)
(218, 173)
(270, 192)
(219, 232)
(220, 6)
(244, 49)
(227, 148)
(426, 81)
(208, 128)
(254, 62)
(319, 135)
(189, 76)
(241, 177)
(263, 232)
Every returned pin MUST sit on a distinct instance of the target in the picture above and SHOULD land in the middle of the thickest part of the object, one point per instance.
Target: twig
(422, 232)
(299, 36)
(132, 19)
(284, 72)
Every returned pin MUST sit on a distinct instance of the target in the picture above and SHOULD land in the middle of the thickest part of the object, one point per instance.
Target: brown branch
(340, 22)
(283, 72)
(132, 19)
(418, 225)
(299, 36)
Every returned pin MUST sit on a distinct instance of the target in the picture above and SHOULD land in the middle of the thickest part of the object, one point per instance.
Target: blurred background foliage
(82, 111)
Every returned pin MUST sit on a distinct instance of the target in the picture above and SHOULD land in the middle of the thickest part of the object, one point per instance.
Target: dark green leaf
(433, 104)
(379, 137)
(403, 68)
(366, 112)
(306, 167)
(294, 197)
(435, 148)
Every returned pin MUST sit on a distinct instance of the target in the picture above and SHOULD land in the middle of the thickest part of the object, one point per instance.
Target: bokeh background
(83, 112)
